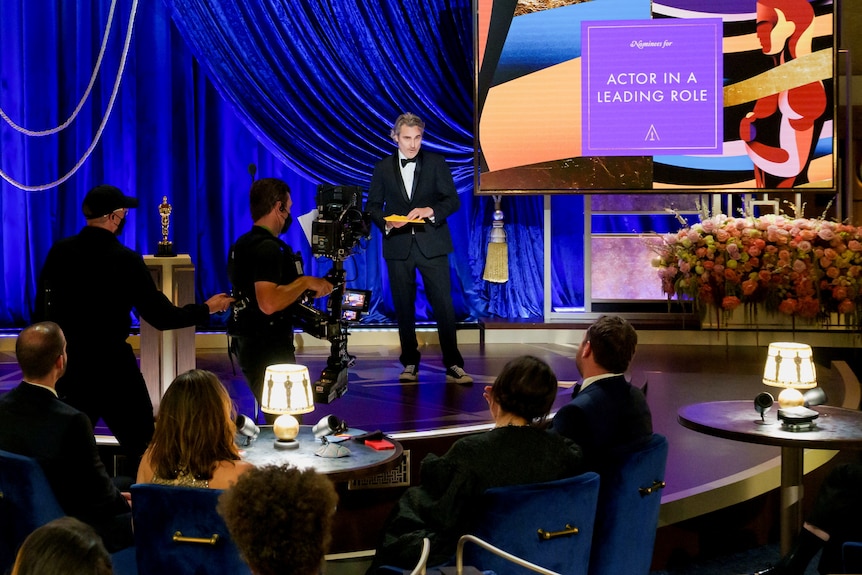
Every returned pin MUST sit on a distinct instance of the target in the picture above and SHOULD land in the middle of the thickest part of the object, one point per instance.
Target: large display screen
(663, 96)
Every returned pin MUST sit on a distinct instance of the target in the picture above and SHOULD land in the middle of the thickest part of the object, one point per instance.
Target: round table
(363, 461)
(835, 428)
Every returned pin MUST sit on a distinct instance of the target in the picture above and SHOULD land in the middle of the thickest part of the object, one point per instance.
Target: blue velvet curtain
(305, 91)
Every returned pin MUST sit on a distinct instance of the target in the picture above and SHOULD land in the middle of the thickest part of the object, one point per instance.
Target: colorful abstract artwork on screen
(663, 96)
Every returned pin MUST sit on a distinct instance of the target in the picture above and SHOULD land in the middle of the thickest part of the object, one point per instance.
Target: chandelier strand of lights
(84, 97)
(97, 137)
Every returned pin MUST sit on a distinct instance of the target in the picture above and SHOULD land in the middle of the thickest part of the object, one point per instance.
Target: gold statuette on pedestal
(166, 247)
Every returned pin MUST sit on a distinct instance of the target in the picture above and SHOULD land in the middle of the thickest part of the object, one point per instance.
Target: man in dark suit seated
(35, 423)
(606, 411)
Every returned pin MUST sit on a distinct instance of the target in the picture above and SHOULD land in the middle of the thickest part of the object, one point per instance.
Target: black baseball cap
(104, 199)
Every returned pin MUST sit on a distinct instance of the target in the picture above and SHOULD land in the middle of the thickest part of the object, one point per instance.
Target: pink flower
(787, 306)
(730, 302)
(808, 307)
(749, 287)
(802, 267)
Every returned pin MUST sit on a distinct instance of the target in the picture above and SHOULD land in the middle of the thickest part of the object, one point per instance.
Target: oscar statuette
(166, 247)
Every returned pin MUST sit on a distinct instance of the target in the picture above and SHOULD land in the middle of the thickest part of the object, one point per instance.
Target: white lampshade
(790, 365)
(287, 389)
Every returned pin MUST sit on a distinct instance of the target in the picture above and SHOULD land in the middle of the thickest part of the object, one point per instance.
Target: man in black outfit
(35, 423)
(267, 279)
(417, 188)
(607, 411)
(89, 285)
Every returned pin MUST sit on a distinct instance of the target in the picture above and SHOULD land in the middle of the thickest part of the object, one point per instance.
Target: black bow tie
(405, 161)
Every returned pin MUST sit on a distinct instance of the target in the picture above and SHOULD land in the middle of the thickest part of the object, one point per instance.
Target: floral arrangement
(806, 268)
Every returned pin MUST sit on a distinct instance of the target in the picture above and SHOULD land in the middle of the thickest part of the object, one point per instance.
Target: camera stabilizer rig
(339, 227)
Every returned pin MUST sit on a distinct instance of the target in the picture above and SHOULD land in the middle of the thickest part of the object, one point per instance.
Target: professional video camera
(340, 222)
(338, 229)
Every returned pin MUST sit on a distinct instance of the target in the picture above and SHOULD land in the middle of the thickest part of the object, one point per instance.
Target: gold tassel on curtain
(497, 260)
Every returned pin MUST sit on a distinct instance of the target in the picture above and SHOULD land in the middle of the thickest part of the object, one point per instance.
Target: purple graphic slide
(652, 87)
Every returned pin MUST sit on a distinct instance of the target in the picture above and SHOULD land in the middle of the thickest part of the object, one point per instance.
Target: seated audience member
(194, 442)
(280, 518)
(606, 411)
(834, 520)
(35, 423)
(65, 546)
(518, 450)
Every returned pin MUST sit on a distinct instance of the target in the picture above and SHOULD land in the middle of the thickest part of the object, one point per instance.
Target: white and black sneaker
(456, 374)
(410, 373)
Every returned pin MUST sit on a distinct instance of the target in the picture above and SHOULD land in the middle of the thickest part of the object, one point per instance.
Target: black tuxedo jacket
(432, 187)
(34, 423)
(609, 413)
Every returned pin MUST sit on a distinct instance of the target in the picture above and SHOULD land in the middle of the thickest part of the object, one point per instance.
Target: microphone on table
(329, 425)
(246, 427)
(762, 403)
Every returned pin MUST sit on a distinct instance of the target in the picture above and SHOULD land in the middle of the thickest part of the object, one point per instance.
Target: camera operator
(267, 279)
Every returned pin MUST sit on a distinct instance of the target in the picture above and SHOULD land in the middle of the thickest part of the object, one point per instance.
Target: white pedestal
(164, 354)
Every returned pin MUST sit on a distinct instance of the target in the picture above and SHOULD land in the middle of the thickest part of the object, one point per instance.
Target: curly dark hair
(280, 518)
(526, 387)
(64, 546)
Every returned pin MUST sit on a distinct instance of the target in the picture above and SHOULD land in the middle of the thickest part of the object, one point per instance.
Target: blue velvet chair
(461, 569)
(179, 531)
(26, 502)
(629, 502)
(548, 524)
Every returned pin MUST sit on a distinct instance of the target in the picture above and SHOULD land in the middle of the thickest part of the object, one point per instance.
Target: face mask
(120, 227)
(287, 221)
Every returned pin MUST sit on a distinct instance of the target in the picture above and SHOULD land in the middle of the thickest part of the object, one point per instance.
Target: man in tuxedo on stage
(35, 423)
(606, 411)
(410, 196)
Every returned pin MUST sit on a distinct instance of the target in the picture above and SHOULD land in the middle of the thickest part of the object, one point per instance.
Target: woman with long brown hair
(193, 445)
